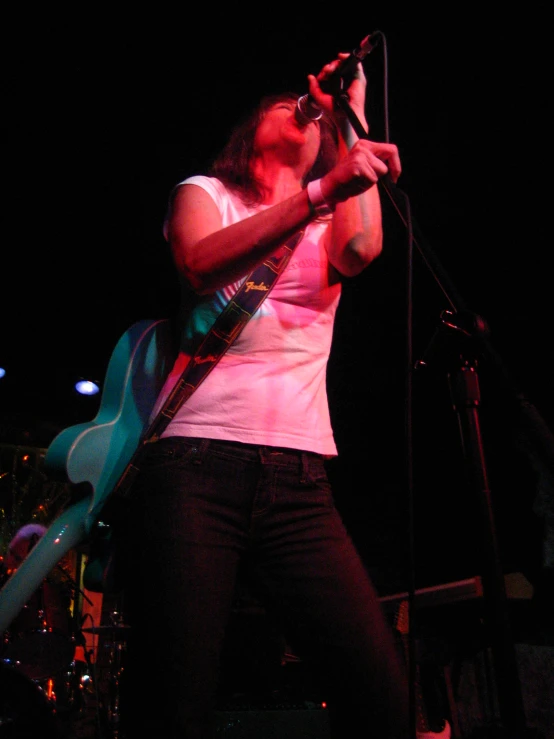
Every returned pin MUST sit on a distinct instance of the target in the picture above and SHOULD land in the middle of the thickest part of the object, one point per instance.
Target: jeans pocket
(168, 452)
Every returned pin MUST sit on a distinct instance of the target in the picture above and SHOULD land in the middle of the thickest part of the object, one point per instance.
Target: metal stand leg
(114, 689)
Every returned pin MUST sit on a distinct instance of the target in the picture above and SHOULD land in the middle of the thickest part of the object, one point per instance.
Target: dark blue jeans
(200, 508)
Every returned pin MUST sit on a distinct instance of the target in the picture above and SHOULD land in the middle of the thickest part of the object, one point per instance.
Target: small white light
(2, 372)
(86, 387)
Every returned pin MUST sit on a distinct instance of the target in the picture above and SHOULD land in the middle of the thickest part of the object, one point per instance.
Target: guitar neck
(422, 720)
(423, 729)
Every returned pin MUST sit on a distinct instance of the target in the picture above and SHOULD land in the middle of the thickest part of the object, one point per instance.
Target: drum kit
(49, 677)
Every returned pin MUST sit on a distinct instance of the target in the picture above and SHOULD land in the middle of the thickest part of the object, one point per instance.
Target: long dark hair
(232, 164)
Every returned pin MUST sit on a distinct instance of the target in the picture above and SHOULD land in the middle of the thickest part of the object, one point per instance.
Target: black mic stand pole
(464, 385)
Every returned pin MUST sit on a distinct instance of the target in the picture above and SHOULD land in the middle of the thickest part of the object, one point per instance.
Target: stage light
(86, 387)
(2, 372)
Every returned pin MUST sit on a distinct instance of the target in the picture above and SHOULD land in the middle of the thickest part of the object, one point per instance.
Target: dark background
(103, 114)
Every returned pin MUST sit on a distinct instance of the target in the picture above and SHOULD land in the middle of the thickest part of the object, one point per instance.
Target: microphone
(307, 110)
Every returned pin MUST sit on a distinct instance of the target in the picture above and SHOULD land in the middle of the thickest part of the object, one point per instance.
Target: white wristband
(317, 201)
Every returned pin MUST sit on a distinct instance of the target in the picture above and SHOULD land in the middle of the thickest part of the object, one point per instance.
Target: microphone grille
(307, 110)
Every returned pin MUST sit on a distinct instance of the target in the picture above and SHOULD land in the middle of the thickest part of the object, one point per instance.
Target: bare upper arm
(193, 215)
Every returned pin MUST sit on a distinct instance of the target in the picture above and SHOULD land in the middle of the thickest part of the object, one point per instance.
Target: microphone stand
(464, 387)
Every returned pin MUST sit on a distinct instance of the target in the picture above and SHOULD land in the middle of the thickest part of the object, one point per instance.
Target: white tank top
(270, 386)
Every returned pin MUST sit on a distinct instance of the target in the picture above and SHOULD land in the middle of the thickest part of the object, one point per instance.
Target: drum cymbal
(103, 628)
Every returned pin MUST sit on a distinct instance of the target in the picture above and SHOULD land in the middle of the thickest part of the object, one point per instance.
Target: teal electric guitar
(96, 454)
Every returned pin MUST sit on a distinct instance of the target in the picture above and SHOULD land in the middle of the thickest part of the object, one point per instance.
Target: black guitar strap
(226, 328)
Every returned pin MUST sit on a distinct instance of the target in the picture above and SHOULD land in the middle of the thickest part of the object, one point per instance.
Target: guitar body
(98, 452)
(95, 454)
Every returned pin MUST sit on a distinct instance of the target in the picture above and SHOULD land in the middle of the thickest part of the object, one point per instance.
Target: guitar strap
(225, 329)
(101, 573)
